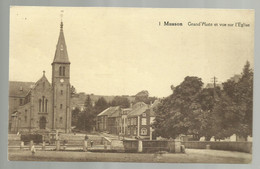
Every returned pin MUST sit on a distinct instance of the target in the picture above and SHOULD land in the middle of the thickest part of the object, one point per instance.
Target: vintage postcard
(131, 85)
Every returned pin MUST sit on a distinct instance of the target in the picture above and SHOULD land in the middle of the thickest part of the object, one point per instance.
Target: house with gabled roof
(139, 120)
(102, 118)
(131, 122)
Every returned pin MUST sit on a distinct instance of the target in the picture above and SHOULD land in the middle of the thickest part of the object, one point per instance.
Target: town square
(96, 85)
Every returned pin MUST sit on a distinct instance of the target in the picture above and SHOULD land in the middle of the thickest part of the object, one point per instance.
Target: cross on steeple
(61, 16)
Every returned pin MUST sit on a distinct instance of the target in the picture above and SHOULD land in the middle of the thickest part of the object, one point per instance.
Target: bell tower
(61, 117)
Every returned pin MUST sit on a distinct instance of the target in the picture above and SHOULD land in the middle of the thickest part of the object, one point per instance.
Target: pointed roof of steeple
(61, 54)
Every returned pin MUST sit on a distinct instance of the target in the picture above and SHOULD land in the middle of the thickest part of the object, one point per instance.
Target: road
(191, 156)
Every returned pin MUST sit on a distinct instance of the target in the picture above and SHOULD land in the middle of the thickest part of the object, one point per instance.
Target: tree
(175, 115)
(75, 116)
(203, 119)
(123, 102)
(207, 112)
(73, 90)
(100, 105)
(87, 116)
(143, 96)
(241, 96)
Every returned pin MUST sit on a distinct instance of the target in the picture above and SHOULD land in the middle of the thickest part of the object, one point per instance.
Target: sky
(121, 51)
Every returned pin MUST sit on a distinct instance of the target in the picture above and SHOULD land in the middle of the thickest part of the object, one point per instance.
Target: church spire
(61, 54)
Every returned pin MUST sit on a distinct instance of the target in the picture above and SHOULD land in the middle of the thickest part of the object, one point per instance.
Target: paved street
(191, 156)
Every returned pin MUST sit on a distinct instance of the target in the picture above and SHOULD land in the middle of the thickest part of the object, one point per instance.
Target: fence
(219, 145)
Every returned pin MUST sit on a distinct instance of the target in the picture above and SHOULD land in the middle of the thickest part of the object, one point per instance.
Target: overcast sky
(121, 51)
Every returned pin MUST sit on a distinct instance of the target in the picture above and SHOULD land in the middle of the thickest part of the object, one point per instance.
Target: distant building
(102, 122)
(43, 106)
(131, 122)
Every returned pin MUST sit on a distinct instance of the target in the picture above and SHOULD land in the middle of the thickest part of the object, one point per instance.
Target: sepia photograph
(143, 85)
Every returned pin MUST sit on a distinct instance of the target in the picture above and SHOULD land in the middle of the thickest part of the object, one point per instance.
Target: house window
(143, 131)
(21, 102)
(143, 121)
(60, 106)
(61, 92)
(134, 121)
(60, 119)
(135, 129)
(25, 118)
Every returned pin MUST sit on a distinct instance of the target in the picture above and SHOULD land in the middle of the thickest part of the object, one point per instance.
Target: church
(43, 106)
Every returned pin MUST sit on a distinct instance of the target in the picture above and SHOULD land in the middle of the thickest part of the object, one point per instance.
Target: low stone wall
(220, 145)
(130, 145)
(155, 146)
(151, 146)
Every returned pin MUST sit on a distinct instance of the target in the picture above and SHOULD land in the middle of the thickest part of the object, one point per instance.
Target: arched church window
(63, 70)
(60, 71)
(46, 105)
(43, 103)
(40, 105)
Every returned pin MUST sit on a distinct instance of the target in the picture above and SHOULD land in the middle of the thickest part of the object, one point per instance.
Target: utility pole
(215, 80)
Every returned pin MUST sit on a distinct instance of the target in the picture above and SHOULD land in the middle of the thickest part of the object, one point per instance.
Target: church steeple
(61, 117)
(61, 54)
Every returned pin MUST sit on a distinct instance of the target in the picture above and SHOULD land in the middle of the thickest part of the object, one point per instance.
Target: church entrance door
(42, 123)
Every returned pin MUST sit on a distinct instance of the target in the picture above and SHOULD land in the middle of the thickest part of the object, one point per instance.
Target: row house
(105, 120)
(140, 119)
(132, 122)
